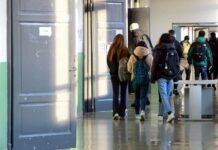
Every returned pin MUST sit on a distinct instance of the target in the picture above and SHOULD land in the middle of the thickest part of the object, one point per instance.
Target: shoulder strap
(135, 56)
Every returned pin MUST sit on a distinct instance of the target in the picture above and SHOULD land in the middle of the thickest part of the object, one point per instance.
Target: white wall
(165, 12)
(3, 31)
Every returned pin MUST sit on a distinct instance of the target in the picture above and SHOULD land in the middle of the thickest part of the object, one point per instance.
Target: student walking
(165, 68)
(116, 52)
(139, 66)
(136, 36)
(179, 51)
(184, 65)
(212, 73)
(200, 56)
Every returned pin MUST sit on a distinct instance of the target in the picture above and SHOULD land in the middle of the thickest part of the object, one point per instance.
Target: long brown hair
(117, 48)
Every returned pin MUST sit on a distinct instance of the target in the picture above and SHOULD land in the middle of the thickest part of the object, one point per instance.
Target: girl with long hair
(117, 51)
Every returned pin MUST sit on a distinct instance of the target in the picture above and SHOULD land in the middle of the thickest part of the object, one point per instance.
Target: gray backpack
(123, 73)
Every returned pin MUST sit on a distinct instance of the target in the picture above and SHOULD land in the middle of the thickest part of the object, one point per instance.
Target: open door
(107, 18)
(43, 90)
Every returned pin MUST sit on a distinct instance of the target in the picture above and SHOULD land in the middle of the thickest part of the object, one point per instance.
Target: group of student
(163, 64)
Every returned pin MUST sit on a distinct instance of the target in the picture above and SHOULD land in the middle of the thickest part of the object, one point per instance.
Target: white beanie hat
(134, 26)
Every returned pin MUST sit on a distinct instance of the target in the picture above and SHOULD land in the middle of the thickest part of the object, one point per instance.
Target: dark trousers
(119, 89)
(141, 98)
(214, 70)
(187, 73)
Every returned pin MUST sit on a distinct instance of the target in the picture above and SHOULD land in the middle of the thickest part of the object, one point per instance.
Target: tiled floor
(97, 131)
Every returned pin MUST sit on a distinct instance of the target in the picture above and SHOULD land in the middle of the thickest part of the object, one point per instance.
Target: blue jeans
(202, 71)
(165, 87)
(141, 98)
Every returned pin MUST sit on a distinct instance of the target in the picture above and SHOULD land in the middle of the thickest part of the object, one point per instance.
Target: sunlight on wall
(101, 63)
(62, 78)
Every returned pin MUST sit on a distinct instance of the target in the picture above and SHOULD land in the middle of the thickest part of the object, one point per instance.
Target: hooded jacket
(140, 52)
(208, 58)
(156, 72)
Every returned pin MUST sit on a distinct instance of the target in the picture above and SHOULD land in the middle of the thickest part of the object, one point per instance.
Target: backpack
(199, 52)
(169, 63)
(140, 71)
(123, 73)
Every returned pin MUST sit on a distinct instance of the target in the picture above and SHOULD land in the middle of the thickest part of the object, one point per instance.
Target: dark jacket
(156, 72)
(213, 42)
(113, 66)
(178, 47)
(208, 58)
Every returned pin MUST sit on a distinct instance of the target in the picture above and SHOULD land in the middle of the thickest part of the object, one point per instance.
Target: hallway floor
(98, 131)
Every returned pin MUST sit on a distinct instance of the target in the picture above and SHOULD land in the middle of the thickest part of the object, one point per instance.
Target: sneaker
(142, 115)
(137, 116)
(116, 116)
(170, 118)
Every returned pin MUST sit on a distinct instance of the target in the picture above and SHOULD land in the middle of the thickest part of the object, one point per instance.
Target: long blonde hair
(117, 48)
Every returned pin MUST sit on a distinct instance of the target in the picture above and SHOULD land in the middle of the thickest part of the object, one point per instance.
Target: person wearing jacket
(138, 35)
(117, 51)
(184, 65)
(179, 51)
(200, 66)
(141, 91)
(165, 81)
(213, 42)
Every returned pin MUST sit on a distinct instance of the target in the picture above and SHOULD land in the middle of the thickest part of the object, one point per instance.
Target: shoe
(142, 115)
(137, 116)
(170, 118)
(116, 116)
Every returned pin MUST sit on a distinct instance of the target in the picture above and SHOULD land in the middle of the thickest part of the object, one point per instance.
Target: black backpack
(199, 51)
(169, 63)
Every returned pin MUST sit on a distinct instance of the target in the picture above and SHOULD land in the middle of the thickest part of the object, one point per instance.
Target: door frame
(9, 70)
(89, 51)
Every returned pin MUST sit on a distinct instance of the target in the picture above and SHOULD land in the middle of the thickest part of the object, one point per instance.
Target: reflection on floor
(97, 131)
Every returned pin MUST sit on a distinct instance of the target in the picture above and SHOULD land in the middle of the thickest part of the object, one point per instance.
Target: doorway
(103, 20)
(192, 29)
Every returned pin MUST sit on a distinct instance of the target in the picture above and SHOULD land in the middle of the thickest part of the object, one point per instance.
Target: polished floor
(98, 131)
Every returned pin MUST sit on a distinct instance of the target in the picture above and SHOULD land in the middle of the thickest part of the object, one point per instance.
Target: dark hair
(166, 38)
(171, 32)
(213, 34)
(142, 43)
(201, 33)
(186, 37)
